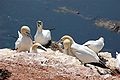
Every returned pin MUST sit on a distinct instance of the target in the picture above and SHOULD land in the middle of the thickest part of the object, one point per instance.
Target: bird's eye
(39, 47)
(27, 32)
(62, 42)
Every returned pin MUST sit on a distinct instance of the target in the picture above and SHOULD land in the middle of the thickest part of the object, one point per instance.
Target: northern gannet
(83, 53)
(95, 45)
(42, 36)
(34, 48)
(24, 41)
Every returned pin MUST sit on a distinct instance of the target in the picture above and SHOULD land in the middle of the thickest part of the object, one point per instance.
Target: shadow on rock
(4, 74)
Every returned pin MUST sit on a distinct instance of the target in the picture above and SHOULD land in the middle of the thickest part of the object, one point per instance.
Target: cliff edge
(47, 66)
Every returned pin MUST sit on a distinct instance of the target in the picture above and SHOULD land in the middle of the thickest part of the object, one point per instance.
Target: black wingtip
(99, 64)
(103, 64)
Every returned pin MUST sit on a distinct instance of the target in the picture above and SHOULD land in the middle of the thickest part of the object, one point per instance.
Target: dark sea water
(15, 13)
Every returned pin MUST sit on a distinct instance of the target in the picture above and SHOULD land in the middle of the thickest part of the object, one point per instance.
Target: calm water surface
(15, 13)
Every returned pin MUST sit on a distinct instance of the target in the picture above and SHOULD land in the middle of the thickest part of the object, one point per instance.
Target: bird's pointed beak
(60, 42)
(29, 35)
(43, 48)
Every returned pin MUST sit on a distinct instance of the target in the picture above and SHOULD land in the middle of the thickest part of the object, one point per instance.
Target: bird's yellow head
(25, 30)
(67, 41)
(66, 44)
(36, 45)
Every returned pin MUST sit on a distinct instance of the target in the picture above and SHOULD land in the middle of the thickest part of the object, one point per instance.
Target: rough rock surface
(46, 66)
(112, 25)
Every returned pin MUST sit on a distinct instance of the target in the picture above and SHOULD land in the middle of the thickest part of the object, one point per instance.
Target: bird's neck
(39, 29)
(24, 35)
(68, 51)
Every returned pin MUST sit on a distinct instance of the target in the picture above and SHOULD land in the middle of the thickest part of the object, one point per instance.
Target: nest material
(55, 46)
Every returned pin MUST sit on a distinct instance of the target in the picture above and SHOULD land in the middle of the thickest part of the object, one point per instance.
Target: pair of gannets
(25, 43)
(83, 53)
(95, 45)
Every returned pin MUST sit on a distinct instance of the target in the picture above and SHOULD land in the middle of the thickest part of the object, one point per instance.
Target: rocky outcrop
(112, 25)
(51, 65)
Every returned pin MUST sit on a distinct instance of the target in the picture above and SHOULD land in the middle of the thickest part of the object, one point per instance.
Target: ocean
(66, 16)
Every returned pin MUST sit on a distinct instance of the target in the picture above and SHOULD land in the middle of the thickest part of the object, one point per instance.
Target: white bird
(24, 41)
(42, 36)
(118, 60)
(34, 48)
(83, 53)
(95, 45)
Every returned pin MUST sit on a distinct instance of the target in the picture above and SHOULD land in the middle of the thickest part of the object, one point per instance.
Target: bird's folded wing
(20, 35)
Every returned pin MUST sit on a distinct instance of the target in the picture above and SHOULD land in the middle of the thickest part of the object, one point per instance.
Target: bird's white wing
(47, 34)
(118, 57)
(95, 45)
(89, 43)
(118, 61)
(92, 45)
(94, 42)
(20, 35)
(18, 40)
(38, 37)
(116, 53)
(84, 54)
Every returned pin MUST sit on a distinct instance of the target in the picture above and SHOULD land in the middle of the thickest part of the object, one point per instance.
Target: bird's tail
(100, 64)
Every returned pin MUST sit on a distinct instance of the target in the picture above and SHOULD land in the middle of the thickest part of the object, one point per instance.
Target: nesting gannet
(95, 45)
(24, 41)
(83, 53)
(35, 49)
(42, 36)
